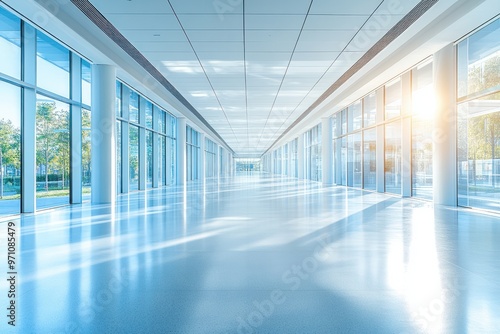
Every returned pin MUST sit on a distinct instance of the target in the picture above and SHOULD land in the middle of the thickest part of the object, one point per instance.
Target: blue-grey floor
(257, 254)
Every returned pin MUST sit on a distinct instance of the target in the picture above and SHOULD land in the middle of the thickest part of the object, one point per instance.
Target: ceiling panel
(277, 6)
(219, 8)
(143, 21)
(274, 22)
(211, 21)
(335, 22)
(252, 77)
(365, 7)
(132, 7)
(211, 35)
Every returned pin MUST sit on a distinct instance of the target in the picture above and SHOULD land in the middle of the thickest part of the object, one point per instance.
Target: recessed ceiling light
(155, 35)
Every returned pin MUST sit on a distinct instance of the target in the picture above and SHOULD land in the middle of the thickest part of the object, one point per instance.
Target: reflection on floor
(257, 254)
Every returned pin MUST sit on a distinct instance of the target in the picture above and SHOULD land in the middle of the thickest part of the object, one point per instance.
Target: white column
(28, 142)
(326, 151)
(203, 158)
(380, 151)
(181, 151)
(300, 157)
(406, 135)
(76, 132)
(103, 134)
(444, 148)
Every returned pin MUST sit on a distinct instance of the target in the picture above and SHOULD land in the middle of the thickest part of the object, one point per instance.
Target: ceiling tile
(277, 22)
(335, 22)
(211, 22)
(365, 7)
(143, 21)
(276, 6)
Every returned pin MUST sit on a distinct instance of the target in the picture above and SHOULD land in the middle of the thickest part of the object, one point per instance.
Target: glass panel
(393, 99)
(86, 154)
(149, 114)
(343, 116)
(134, 107)
(370, 159)
(370, 110)
(354, 160)
(479, 61)
(163, 162)
(343, 161)
(10, 149)
(479, 163)
(149, 157)
(134, 157)
(118, 99)
(52, 66)
(393, 157)
(161, 120)
(355, 116)
(118, 157)
(86, 81)
(52, 153)
(10, 44)
(422, 127)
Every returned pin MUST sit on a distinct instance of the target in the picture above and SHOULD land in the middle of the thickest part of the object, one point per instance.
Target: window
(149, 114)
(118, 99)
(52, 66)
(422, 127)
(479, 119)
(86, 81)
(52, 152)
(354, 178)
(10, 149)
(370, 159)
(393, 99)
(10, 44)
(86, 153)
(393, 157)
(134, 107)
(370, 110)
(134, 157)
(149, 158)
(354, 117)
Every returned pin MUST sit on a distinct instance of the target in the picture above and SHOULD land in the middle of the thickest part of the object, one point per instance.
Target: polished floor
(257, 254)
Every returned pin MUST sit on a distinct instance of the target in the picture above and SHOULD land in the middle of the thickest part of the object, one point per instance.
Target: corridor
(258, 254)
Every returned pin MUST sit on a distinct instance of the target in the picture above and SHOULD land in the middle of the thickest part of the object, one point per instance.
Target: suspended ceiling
(251, 68)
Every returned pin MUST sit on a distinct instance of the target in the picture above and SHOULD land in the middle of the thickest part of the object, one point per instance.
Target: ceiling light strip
(286, 70)
(203, 68)
(110, 30)
(326, 71)
(420, 9)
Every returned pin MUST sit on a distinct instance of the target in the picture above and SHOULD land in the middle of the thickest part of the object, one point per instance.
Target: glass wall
(313, 154)
(52, 152)
(393, 161)
(210, 158)
(479, 119)
(10, 149)
(52, 65)
(422, 127)
(133, 157)
(86, 153)
(370, 159)
(192, 154)
(10, 44)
